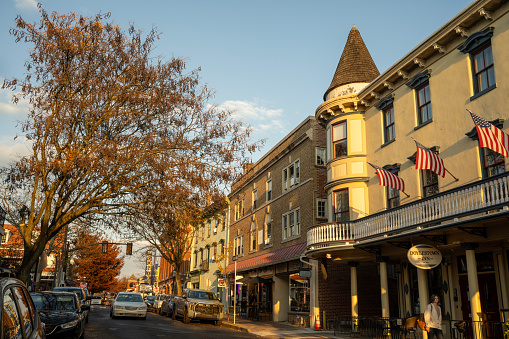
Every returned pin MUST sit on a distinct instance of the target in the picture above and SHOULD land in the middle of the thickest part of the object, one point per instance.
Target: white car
(128, 304)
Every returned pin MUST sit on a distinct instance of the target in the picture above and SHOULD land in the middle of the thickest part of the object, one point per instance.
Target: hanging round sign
(424, 256)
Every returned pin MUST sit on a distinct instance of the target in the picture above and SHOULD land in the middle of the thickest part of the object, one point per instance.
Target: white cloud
(26, 4)
(8, 108)
(248, 111)
(10, 150)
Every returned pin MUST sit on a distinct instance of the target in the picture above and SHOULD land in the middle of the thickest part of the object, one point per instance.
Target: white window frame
(210, 227)
(318, 209)
(320, 153)
(268, 223)
(291, 179)
(252, 237)
(238, 244)
(269, 189)
(288, 219)
(255, 198)
(239, 209)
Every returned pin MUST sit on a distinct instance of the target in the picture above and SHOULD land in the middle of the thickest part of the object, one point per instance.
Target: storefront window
(299, 293)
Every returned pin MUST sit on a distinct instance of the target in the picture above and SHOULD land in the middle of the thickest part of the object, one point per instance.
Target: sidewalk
(277, 330)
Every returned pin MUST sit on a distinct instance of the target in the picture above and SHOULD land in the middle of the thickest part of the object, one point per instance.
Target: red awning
(281, 255)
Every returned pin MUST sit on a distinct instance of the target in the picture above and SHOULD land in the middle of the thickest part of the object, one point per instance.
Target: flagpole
(451, 174)
(406, 194)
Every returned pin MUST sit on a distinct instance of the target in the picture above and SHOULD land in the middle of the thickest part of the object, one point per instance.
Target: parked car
(80, 293)
(19, 317)
(167, 305)
(159, 301)
(150, 301)
(62, 314)
(198, 304)
(95, 300)
(128, 304)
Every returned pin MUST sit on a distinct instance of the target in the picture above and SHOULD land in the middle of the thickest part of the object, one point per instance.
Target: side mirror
(85, 307)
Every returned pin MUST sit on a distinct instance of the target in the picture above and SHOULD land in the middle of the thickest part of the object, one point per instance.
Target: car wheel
(186, 319)
(218, 322)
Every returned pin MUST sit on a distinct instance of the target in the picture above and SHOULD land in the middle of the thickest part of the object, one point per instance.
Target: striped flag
(386, 178)
(490, 136)
(426, 159)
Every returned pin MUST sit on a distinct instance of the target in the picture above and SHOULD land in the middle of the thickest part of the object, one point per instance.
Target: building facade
(272, 205)
(426, 98)
(208, 254)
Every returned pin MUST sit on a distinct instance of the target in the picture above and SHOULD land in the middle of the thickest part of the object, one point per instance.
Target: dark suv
(19, 317)
(82, 296)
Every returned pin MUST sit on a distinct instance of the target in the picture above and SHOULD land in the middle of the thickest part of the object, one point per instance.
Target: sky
(269, 60)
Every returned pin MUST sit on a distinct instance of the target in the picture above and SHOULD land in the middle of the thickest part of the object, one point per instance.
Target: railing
(466, 200)
(378, 327)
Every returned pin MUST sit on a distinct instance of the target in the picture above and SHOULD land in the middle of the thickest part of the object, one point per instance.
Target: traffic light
(105, 247)
(129, 249)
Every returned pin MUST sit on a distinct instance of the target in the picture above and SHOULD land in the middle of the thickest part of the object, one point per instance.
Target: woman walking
(433, 318)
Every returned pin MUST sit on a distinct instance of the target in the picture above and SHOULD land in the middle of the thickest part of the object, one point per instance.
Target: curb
(237, 327)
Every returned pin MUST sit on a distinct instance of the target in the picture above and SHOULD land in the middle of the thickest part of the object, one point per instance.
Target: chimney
(247, 166)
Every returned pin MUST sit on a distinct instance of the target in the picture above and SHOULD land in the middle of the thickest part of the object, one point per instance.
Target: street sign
(221, 283)
(83, 285)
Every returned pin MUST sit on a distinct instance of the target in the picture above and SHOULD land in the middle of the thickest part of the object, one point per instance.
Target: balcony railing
(467, 200)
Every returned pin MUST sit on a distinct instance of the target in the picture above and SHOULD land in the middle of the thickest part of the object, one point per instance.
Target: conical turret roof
(355, 65)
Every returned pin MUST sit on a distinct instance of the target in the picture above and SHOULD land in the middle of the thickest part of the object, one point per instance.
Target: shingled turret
(355, 65)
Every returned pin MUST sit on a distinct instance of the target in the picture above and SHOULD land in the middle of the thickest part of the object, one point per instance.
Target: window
(291, 224)
(321, 208)
(268, 229)
(24, 310)
(223, 221)
(209, 227)
(269, 189)
(11, 317)
(429, 183)
(255, 198)
(478, 45)
(389, 129)
(341, 205)
(423, 104)
(291, 175)
(252, 237)
(392, 197)
(493, 162)
(320, 156)
(238, 244)
(222, 248)
(215, 252)
(339, 140)
(203, 231)
(484, 71)
(299, 293)
(195, 258)
(5, 238)
(239, 209)
(201, 256)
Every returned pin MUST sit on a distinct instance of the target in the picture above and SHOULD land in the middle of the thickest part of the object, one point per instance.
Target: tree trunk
(179, 284)
(30, 258)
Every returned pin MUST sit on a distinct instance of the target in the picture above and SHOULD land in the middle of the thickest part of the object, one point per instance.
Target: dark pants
(435, 332)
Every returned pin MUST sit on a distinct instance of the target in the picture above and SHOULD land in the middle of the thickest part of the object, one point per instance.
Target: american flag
(426, 159)
(490, 136)
(386, 178)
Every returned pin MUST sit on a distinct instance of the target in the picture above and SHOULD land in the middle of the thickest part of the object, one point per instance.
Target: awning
(274, 257)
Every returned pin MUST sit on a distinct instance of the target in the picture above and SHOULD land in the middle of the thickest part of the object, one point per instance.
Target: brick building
(272, 205)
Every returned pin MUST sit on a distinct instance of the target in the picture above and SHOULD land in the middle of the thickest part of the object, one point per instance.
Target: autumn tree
(108, 125)
(100, 269)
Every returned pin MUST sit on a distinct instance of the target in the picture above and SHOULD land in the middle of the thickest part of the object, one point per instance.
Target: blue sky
(270, 60)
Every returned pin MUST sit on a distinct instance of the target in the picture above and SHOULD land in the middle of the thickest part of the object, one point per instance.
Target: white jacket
(433, 317)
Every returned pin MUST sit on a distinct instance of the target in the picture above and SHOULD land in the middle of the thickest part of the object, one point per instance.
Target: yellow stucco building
(374, 118)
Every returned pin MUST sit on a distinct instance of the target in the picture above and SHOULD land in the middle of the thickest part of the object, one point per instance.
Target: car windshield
(130, 298)
(151, 298)
(78, 293)
(202, 295)
(52, 302)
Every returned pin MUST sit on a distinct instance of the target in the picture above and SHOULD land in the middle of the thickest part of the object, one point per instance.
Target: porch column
(406, 290)
(313, 293)
(446, 287)
(422, 282)
(353, 290)
(503, 280)
(384, 285)
(473, 283)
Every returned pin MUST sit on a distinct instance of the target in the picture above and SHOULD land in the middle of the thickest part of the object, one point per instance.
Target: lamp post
(234, 258)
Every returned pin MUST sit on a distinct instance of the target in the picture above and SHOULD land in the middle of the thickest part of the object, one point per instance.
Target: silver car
(128, 304)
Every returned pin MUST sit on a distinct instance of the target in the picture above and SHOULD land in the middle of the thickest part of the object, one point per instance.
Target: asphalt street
(101, 326)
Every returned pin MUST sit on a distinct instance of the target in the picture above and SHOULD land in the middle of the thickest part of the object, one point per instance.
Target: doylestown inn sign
(424, 256)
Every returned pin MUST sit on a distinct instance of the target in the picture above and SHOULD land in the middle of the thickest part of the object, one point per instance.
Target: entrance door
(489, 302)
